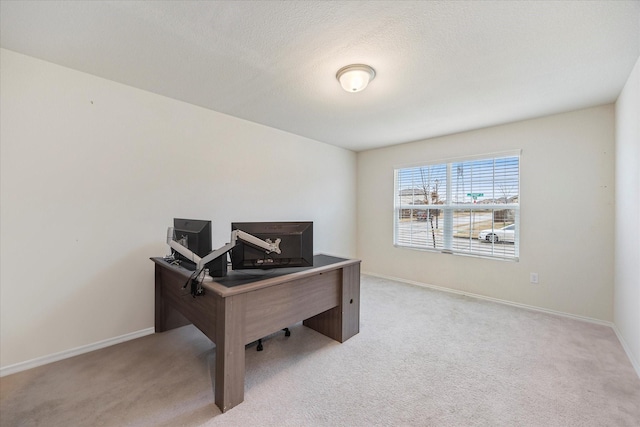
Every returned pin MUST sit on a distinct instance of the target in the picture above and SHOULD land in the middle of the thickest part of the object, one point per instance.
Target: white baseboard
(612, 325)
(39, 361)
(627, 350)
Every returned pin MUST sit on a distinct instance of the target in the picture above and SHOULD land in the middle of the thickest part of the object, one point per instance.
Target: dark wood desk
(247, 305)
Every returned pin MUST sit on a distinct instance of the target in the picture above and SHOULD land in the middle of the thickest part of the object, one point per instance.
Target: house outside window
(464, 206)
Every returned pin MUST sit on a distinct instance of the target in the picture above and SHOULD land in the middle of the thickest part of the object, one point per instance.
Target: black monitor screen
(193, 234)
(296, 245)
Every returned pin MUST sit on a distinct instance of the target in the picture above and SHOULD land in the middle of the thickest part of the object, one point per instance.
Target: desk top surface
(242, 277)
(238, 281)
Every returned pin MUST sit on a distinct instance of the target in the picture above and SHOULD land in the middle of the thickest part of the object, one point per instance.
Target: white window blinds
(468, 207)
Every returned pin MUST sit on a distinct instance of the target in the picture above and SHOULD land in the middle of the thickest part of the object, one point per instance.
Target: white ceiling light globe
(356, 77)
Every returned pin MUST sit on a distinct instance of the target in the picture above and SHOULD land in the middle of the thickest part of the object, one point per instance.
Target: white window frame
(446, 242)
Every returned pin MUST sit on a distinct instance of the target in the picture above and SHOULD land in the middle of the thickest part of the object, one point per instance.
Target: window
(464, 206)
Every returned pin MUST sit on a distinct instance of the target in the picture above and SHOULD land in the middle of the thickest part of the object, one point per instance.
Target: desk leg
(166, 317)
(342, 322)
(350, 301)
(230, 333)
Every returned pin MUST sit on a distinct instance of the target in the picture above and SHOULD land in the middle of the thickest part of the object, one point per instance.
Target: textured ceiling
(442, 67)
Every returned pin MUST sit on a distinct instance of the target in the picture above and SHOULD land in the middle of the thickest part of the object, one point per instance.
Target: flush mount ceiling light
(355, 77)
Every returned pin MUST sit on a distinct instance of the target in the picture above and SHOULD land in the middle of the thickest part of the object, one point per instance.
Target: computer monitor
(296, 245)
(195, 235)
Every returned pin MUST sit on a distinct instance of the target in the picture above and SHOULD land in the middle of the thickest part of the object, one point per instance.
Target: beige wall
(627, 248)
(92, 174)
(567, 214)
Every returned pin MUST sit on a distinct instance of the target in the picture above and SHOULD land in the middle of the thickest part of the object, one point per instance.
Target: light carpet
(422, 358)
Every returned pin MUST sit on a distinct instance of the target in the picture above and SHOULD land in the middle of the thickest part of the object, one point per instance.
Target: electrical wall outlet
(533, 277)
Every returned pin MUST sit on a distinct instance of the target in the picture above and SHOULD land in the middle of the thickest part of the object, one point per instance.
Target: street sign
(475, 195)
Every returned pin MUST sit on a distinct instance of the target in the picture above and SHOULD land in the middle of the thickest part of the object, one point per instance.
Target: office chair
(287, 333)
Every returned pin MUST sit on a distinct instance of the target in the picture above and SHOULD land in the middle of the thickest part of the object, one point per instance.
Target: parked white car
(504, 234)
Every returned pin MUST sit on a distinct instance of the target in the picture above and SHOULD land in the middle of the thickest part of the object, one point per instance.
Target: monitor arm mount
(267, 245)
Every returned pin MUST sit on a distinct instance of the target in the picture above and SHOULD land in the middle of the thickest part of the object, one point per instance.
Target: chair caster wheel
(287, 332)
(260, 348)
